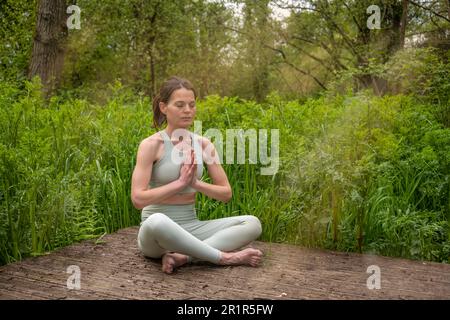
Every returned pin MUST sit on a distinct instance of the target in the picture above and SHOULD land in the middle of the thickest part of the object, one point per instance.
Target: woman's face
(180, 109)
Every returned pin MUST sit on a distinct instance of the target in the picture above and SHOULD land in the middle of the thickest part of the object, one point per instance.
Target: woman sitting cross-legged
(165, 180)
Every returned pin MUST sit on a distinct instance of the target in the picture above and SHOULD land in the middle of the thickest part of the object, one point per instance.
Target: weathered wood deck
(115, 269)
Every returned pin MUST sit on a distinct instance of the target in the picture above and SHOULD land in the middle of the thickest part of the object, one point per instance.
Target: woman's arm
(220, 189)
(141, 195)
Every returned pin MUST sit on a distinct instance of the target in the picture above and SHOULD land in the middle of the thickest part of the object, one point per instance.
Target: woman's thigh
(205, 229)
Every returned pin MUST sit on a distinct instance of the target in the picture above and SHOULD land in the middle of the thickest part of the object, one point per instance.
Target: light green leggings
(176, 228)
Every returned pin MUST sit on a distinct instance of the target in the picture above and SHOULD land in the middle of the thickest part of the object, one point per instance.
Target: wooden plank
(342, 274)
(116, 269)
(242, 276)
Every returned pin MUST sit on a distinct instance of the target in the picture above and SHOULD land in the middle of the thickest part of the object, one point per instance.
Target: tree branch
(307, 73)
(429, 9)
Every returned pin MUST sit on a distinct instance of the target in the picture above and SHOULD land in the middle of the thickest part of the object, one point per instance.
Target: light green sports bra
(167, 168)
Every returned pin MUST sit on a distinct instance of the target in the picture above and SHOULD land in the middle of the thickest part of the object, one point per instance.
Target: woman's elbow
(228, 195)
(137, 205)
(136, 202)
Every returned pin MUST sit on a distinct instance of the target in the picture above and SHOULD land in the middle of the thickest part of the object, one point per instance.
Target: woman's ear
(162, 107)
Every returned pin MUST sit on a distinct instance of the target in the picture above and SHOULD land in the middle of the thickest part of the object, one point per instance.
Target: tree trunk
(404, 21)
(394, 32)
(49, 43)
(152, 70)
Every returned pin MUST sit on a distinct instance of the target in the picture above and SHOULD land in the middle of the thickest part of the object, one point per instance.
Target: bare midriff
(186, 198)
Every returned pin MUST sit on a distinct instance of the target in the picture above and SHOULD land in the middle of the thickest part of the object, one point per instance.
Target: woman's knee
(155, 222)
(161, 227)
(255, 225)
(151, 230)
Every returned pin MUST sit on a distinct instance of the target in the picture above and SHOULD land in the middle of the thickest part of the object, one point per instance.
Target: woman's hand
(188, 171)
(194, 176)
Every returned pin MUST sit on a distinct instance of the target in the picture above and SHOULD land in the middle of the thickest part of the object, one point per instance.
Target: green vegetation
(358, 172)
(363, 117)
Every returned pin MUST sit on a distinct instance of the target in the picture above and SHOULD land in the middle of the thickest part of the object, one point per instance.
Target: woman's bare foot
(249, 256)
(171, 260)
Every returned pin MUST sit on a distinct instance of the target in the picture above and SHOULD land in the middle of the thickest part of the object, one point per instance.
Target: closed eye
(180, 105)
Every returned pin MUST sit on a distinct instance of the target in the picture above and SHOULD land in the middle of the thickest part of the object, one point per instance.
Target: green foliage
(65, 169)
(357, 172)
(374, 182)
(421, 72)
(17, 20)
(424, 73)
(144, 42)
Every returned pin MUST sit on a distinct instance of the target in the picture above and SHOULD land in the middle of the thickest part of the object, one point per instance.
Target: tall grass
(373, 182)
(357, 173)
(65, 170)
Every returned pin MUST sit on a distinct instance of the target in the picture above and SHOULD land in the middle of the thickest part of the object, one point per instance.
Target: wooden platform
(115, 269)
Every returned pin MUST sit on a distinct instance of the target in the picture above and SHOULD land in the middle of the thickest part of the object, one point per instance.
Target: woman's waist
(170, 206)
(179, 199)
(181, 213)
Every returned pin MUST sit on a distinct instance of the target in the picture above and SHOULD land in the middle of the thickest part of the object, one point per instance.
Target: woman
(170, 228)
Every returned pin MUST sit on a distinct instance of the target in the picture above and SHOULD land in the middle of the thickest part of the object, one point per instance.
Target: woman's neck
(169, 130)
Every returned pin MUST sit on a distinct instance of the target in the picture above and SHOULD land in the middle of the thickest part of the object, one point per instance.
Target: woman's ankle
(231, 258)
(225, 257)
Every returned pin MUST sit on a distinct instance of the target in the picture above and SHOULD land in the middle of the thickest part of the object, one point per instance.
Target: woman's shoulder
(153, 139)
(151, 143)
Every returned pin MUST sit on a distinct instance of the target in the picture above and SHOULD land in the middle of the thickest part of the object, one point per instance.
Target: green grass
(358, 173)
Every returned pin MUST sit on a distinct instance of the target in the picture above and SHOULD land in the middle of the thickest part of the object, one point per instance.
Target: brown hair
(165, 92)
